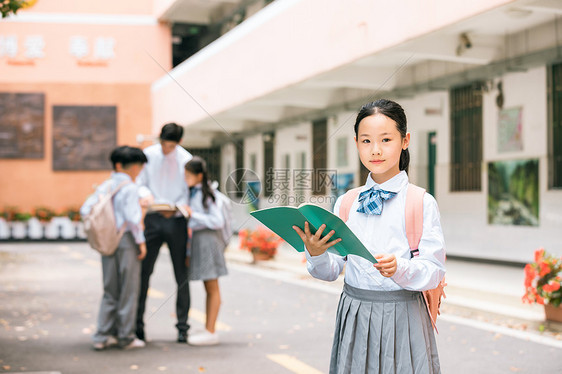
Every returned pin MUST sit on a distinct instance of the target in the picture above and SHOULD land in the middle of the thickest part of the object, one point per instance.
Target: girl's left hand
(386, 264)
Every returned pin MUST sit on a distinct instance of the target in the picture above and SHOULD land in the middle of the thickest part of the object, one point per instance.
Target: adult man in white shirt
(162, 181)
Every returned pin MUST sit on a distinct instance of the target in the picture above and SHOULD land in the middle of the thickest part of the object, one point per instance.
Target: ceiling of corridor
(492, 36)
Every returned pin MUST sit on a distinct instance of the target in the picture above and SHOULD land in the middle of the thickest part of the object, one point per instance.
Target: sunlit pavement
(275, 319)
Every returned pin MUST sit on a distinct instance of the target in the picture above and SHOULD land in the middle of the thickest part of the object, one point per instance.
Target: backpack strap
(346, 203)
(119, 186)
(414, 231)
(108, 191)
(113, 193)
(414, 217)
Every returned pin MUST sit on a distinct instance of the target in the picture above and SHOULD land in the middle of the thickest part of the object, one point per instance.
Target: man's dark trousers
(172, 231)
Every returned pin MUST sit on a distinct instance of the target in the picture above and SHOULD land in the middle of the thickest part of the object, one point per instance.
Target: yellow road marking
(156, 294)
(201, 317)
(292, 364)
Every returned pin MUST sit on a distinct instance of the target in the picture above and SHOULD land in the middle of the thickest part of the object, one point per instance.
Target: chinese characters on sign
(25, 50)
(33, 48)
(99, 55)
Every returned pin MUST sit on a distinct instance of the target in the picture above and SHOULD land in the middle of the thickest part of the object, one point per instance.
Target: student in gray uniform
(121, 271)
(207, 245)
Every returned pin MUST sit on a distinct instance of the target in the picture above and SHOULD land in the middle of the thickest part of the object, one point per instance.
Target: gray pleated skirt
(383, 332)
(207, 255)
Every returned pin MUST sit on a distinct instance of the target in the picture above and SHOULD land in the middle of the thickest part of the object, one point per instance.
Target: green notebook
(281, 220)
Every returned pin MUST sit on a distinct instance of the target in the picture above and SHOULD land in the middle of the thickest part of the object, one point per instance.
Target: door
(431, 161)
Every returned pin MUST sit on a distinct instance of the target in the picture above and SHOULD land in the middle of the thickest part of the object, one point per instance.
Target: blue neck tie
(370, 201)
(193, 190)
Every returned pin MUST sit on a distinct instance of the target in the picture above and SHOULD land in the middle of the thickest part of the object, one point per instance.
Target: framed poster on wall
(510, 130)
(83, 137)
(22, 125)
(513, 192)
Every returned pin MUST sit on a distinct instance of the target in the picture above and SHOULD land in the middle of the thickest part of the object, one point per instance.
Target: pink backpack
(100, 226)
(414, 230)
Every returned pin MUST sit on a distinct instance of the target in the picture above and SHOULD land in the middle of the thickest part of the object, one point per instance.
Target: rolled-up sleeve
(425, 271)
(212, 218)
(327, 266)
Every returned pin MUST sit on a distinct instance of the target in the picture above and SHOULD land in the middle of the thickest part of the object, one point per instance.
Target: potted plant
(262, 243)
(73, 215)
(44, 214)
(19, 224)
(9, 213)
(7, 216)
(543, 279)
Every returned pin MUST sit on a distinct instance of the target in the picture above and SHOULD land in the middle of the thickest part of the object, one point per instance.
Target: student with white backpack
(121, 261)
(207, 263)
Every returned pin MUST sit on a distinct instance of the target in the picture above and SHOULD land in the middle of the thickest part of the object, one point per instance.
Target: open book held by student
(163, 207)
(281, 220)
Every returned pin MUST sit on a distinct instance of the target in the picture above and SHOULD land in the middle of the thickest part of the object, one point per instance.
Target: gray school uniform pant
(121, 281)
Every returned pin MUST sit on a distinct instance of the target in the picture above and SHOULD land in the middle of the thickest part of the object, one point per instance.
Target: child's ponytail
(198, 166)
(404, 160)
(393, 111)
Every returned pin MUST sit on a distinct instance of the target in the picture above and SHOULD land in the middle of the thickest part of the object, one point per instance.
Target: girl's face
(193, 179)
(380, 144)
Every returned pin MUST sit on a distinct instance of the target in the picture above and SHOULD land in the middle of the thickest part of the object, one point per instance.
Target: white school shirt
(201, 218)
(164, 175)
(125, 204)
(386, 233)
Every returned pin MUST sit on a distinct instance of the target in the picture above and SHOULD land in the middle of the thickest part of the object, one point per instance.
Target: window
(555, 128)
(212, 157)
(319, 156)
(239, 165)
(268, 147)
(466, 138)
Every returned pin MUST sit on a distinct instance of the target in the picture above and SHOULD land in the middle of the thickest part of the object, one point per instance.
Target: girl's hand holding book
(315, 243)
(386, 264)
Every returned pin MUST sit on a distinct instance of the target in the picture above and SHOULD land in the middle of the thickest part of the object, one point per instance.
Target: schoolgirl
(382, 325)
(207, 245)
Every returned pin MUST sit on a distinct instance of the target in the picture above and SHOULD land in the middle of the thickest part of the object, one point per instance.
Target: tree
(8, 7)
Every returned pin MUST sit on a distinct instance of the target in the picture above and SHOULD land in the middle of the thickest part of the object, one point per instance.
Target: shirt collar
(171, 154)
(394, 184)
(120, 177)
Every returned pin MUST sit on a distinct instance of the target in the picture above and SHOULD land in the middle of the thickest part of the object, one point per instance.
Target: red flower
(530, 271)
(544, 269)
(539, 254)
(260, 240)
(551, 287)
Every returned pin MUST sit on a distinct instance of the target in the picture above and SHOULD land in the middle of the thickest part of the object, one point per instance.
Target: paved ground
(273, 321)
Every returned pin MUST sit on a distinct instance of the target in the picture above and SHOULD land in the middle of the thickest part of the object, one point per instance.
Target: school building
(268, 92)
(75, 80)
(481, 83)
